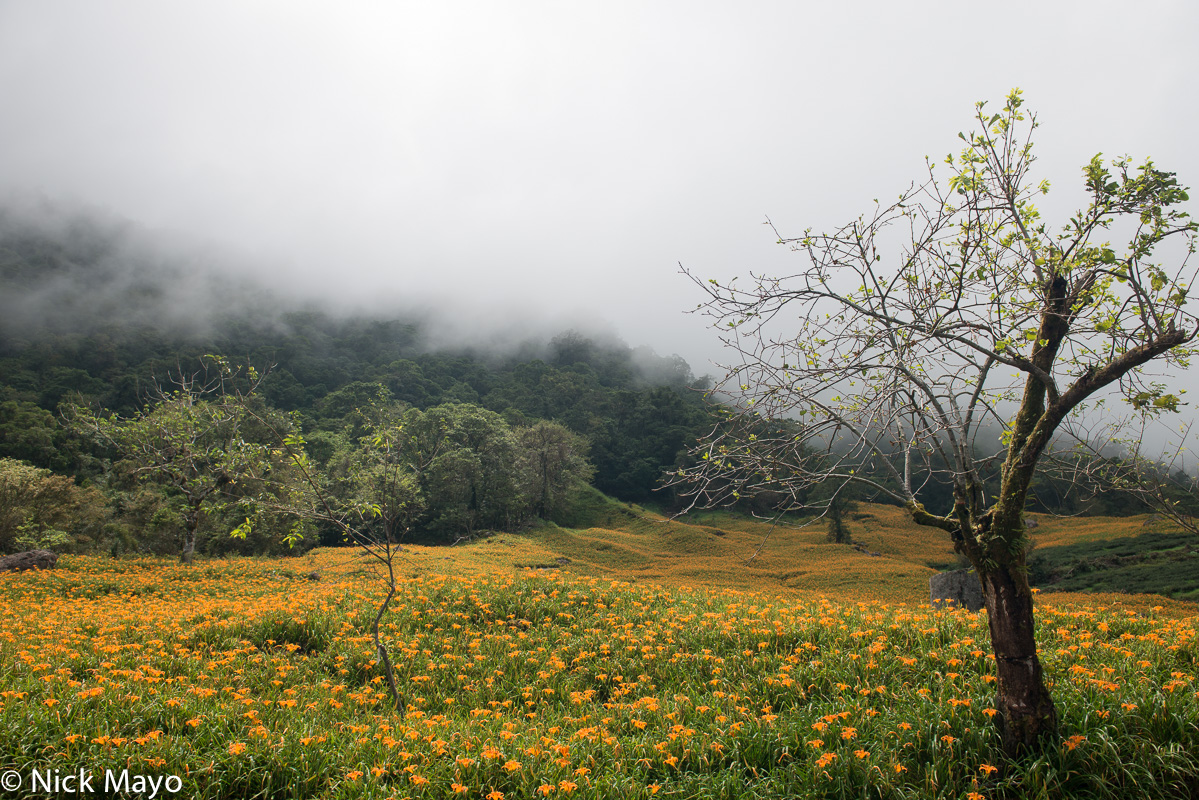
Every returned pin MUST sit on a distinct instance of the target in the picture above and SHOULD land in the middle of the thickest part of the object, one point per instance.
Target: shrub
(38, 507)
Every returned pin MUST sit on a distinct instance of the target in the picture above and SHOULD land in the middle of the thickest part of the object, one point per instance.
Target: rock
(314, 576)
(30, 559)
(1030, 523)
(960, 586)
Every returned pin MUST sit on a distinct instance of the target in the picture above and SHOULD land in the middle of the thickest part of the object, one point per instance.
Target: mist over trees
(95, 316)
(96, 319)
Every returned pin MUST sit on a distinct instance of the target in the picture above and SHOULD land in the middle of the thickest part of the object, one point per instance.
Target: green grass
(1154, 563)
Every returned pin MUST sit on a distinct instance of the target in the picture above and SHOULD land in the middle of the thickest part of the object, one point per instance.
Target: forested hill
(93, 310)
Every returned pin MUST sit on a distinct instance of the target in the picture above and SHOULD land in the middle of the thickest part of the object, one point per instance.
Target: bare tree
(913, 335)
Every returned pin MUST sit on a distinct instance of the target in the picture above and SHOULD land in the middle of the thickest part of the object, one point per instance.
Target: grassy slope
(717, 549)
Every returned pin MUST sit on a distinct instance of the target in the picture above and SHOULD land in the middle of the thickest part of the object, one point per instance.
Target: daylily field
(247, 679)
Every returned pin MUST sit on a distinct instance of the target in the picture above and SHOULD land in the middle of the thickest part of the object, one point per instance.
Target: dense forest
(90, 316)
(94, 316)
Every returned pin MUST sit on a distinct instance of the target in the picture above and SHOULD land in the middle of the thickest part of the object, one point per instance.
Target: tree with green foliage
(381, 476)
(838, 528)
(472, 482)
(39, 509)
(982, 316)
(375, 495)
(449, 468)
(555, 461)
(31, 433)
(197, 442)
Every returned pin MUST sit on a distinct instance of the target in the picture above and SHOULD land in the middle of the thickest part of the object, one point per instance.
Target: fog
(538, 165)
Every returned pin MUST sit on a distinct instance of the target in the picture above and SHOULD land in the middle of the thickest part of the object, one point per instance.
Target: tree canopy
(192, 442)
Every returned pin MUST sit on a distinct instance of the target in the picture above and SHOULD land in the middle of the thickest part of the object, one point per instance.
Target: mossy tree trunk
(1026, 710)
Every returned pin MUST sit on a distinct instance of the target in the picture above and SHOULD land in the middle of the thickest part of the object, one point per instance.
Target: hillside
(90, 314)
(96, 311)
(630, 543)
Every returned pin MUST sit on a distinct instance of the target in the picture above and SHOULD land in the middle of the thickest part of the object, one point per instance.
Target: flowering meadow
(246, 678)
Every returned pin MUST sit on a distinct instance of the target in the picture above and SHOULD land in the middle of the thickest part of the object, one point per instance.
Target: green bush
(37, 506)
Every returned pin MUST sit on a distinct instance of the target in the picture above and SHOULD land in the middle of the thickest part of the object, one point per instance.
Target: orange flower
(495, 794)
(567, 786)
(458, 788)
(236, 747)
(1075, 741)
(545, 789)
(988, 769)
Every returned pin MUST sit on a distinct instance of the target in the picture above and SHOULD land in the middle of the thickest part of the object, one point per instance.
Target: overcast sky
(527, 160)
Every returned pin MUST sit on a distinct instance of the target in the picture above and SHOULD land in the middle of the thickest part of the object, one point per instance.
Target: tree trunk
(1026, 711)
(191, 524)
(189, 548)
(838, 531)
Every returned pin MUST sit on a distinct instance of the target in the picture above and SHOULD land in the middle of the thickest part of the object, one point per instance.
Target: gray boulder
(960, 586)
(30, 559)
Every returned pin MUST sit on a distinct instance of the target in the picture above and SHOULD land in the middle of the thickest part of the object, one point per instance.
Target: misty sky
(555, 161)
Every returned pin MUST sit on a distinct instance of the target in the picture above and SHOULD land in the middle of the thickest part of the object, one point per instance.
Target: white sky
(527, 160)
